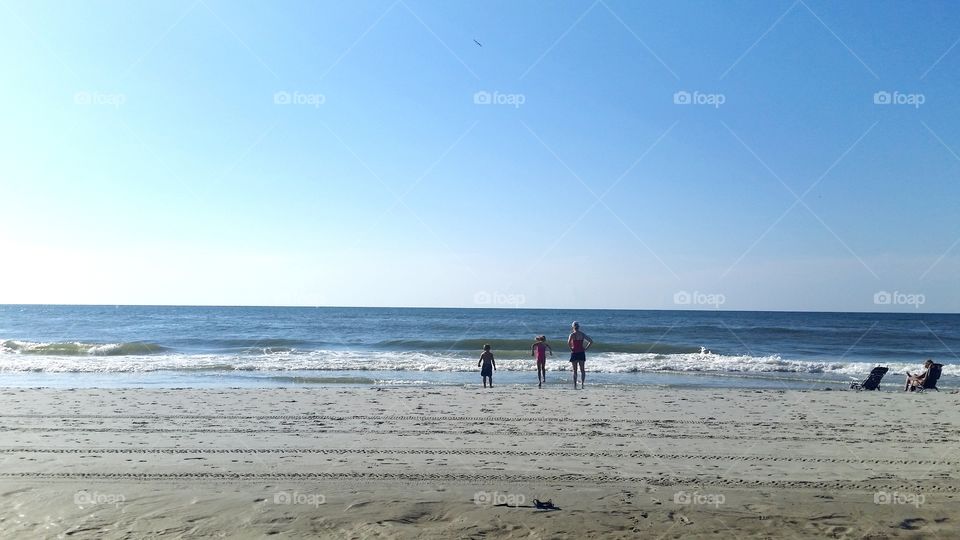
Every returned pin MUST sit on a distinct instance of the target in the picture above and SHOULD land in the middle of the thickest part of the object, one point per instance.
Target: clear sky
(609, 154)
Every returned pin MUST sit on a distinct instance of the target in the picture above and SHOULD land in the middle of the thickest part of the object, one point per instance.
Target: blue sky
(293, 153)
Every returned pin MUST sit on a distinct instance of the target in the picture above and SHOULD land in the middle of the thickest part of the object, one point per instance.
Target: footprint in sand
(762, 509)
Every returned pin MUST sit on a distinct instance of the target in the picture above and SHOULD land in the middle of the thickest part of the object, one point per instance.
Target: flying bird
(478, 43)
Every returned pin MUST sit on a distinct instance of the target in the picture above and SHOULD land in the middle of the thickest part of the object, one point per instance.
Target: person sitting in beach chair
(872, 382)
(930, 382)
(926, 380)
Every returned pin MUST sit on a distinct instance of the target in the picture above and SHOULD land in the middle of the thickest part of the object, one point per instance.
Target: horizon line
(505, 308)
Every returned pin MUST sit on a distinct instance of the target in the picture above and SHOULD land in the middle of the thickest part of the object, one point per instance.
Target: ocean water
(270, 346)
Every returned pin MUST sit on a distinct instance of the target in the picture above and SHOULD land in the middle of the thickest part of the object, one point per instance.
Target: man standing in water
(578, 352)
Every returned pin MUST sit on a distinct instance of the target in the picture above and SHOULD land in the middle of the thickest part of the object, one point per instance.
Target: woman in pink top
(539, 351)
(578, 343)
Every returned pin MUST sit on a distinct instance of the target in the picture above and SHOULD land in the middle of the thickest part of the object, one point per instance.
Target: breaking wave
(76, 348)
(147, 357)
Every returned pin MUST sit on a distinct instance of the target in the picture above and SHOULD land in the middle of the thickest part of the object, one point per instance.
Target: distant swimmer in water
(578, 343)
(489, 366)
(539, 350)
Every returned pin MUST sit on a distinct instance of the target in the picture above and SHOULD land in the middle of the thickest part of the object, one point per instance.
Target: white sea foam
(335, 360)
(76, 348)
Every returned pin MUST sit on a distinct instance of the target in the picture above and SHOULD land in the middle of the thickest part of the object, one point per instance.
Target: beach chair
(872, 382)
(930, 381)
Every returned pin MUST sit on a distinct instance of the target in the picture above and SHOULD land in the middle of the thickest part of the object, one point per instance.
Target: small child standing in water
(539, 351)
(489, 366)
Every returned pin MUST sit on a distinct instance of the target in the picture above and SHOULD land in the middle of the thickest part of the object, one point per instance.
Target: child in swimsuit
(539, 351)
(489, 366)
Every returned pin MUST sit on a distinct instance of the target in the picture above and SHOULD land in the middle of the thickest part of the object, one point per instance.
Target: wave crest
(370, 361)
(76, 348)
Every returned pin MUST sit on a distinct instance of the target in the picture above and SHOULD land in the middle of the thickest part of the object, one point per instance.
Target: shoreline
(512, 378)
(442, 462)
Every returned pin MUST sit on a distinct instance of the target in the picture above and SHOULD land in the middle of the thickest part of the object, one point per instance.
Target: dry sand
(452, 462)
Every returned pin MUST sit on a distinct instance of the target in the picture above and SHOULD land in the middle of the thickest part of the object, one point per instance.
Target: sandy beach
(454, 462)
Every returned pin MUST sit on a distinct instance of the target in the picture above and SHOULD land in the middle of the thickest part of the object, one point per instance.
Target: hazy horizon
(505, 308)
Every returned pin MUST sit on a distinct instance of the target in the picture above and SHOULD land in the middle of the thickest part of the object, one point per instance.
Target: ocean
(171, 346)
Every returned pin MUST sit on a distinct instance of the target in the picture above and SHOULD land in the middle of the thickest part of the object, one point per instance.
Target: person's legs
(574, 364)
(583, 372)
